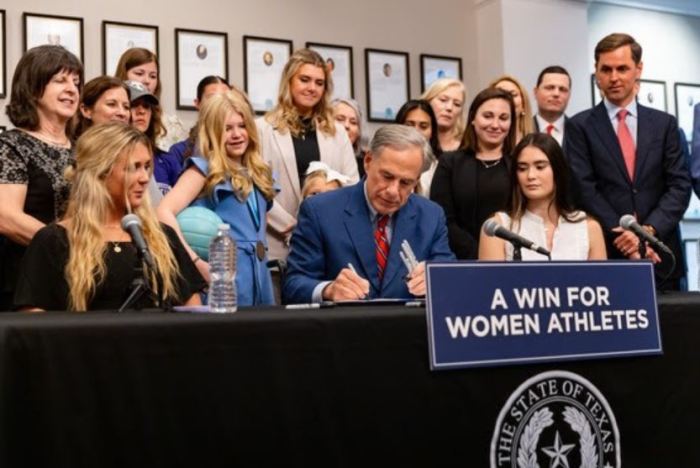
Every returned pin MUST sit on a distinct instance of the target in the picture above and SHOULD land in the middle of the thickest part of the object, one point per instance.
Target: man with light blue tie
(347, 243)
(626, 159)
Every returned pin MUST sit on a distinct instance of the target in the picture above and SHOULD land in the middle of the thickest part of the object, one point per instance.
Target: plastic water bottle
(222, 271)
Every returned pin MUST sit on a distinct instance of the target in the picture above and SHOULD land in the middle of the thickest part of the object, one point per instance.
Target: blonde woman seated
(321, 178)
(539, 209)
(87, 261)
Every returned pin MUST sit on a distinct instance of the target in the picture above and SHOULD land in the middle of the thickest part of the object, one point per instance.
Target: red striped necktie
(550, 129)
(382, 245)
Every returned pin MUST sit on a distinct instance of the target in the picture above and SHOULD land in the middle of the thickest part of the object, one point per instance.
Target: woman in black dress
(33, 192)
(87, 260)
(473, 182)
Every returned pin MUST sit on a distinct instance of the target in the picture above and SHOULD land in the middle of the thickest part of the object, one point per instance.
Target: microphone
(492, 228)
(132, 224)
(629, 223)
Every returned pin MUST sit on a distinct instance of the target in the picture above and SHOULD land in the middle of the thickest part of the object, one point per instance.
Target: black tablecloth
(331, 387)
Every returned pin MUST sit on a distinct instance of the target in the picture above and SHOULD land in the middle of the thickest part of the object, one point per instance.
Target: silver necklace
(490, 164)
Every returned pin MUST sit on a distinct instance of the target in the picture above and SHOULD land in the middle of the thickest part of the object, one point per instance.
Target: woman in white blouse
(539, 208)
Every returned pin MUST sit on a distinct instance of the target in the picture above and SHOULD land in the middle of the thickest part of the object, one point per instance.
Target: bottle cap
(224, 226)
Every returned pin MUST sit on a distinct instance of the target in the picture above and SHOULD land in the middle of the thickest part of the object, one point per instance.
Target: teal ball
(199, 226)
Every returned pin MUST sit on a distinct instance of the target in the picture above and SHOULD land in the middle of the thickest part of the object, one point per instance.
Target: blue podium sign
(498, 313)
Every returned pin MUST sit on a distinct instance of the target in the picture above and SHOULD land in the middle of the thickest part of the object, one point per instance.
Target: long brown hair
(134, 57)
(92, 92)
(470, 141)
(285, 116)
(517, 202)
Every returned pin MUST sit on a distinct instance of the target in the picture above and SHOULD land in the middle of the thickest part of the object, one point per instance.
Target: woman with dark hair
(104, 99)
(300, 129)
(43, 101)
(87, 261)
(419, 114)
(139, 64)
(145, 116)
(540, 210)
(208, 86)
(473, 182)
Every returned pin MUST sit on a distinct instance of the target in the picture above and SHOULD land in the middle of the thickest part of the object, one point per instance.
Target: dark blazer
(660, 192)
(455, 188)
(334, 229)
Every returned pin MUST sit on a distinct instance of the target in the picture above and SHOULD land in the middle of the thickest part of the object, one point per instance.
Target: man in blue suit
(626, 159)
(347, 242)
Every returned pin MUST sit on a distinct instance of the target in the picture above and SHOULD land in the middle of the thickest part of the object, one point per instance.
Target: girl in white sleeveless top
(539, 208)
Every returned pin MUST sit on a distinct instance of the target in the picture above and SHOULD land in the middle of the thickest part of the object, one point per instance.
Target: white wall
(540, 33)
(670, 42)
(388, 24)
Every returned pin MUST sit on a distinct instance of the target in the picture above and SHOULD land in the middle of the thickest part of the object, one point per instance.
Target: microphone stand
(139, 287)
(517, 252)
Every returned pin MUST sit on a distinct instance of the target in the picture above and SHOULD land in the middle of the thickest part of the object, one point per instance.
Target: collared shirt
(631, 120)
(557, 131)
(317, 294)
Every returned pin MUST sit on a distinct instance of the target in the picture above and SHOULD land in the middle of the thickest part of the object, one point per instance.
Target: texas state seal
(556, 419)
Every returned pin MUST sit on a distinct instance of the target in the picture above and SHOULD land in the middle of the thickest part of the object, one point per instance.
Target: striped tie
(382, 244)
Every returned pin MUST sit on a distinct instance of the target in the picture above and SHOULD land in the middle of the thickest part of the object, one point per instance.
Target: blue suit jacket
(695, 154)
(334, 229)
(660, 192)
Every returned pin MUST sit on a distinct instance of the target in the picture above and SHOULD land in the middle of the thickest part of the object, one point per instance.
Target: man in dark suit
(347, 242)
(626, 159)
(552, 94)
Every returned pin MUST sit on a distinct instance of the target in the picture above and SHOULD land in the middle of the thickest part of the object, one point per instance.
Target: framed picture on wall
(388, 84)
(263, 61)
(198, 54)
(339, 62)
(687, 96)
(434, 67)
(120, 37)
(652, 93)
(66, 31)
(3, 57)
(596, 96)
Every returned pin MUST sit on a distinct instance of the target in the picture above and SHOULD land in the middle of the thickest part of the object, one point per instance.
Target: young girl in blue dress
(232, 180)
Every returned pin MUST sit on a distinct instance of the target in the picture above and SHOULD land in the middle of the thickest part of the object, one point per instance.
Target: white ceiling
(686, 7)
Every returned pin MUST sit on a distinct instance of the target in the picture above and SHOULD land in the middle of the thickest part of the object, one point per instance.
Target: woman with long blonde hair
(232, 180)
(447, 97)
(87, 260)
(524, 122)
(301, 129)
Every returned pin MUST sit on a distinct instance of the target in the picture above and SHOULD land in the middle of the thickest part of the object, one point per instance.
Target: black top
(306, 148)
(26, 160)
(469, 192)
(42, 281)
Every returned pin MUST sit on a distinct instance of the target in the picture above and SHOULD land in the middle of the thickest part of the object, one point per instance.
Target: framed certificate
(263, 62)
(117, 38)
(687, 96)
(434, 67)
(3, 57)
(388, 85)
(198, 54)
(652, 93)
(339, 62)
(66, 31)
